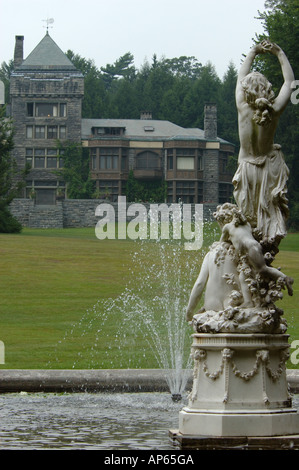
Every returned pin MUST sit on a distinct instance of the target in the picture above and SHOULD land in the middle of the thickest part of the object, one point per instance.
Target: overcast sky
(218, 31)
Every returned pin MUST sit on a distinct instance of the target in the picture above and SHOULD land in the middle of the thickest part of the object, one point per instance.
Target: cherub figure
(236, 230)
(213, 279)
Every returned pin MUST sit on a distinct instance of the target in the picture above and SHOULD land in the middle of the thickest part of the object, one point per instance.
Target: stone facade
(192, 162)
(46, 96)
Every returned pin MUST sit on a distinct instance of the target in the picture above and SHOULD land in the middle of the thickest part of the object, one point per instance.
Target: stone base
(227, 424)
(240, 393)
(233, 443)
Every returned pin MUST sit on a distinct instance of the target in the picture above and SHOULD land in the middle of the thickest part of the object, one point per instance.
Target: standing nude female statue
(261, 177)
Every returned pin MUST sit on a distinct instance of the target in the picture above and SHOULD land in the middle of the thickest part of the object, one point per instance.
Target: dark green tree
(227, 111)
(122, 67)
(158, 81)
(205, 89)
(11, 180)
(95, 96)
(187, 67)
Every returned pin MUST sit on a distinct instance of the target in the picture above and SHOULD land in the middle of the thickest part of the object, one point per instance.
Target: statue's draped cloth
(260, 192)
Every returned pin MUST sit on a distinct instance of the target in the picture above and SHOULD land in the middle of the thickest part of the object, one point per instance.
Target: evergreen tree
(227, 110)
(11, 180)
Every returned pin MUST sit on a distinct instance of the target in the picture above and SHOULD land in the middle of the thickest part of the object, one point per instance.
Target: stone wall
(70, 213)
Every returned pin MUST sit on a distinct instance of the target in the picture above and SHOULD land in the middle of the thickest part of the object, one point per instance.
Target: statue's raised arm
(287, 72)
(261, 177)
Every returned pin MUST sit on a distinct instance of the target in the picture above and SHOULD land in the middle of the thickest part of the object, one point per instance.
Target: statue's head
(228, 212)
(259, 95)
(256, 85)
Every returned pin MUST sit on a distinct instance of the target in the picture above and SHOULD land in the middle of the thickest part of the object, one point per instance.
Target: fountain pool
(91, 421)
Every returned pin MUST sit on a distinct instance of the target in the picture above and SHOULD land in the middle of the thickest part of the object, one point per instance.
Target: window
(185, 159)
(39, 158)
(29, 132)
(62, 110)
(108, 162)
(185, 191)
(43, 132)
(124, 162)
(52, 162)
(43, 158)
(62, 132)
(29, 156)
(185, 163)
(169, 159)
(109, 189)
(52, 132)
(30, 109)
(223, 163)
(147, 161)
(51, 151)
(108, 158)
(225, 192)
(40, 132)
(46, 109)
(200, 161)
(108, 130)
(169, 191)
(94, 162)
(124, 159)
(39, 162)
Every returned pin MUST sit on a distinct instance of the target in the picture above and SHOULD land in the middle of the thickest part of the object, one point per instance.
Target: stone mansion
(46, 93)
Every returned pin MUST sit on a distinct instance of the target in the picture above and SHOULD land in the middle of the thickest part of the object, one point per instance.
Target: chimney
(210, 121)
(146, 115)
(18, 55)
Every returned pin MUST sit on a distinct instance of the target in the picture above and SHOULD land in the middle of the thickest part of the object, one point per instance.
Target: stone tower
(46, 99)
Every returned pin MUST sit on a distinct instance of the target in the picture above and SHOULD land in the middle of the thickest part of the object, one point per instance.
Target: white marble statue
(241, 287)
(240, 347)
(261, 177)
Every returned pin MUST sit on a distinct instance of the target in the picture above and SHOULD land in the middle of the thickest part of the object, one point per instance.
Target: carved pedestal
(239, 391)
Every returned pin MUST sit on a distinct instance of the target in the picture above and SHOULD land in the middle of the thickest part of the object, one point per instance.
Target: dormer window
(105, 131)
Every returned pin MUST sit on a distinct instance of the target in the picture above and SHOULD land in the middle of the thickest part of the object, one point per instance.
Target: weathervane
(48, 21)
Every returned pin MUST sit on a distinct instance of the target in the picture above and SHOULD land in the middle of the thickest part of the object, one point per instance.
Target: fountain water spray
(150, 310)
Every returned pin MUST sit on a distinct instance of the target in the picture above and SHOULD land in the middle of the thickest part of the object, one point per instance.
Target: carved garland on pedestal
(262, 358)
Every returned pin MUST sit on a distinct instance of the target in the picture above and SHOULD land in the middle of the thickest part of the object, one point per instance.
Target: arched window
(147, 160)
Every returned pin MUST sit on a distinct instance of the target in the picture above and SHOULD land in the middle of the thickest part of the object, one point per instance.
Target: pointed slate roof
(47, 56)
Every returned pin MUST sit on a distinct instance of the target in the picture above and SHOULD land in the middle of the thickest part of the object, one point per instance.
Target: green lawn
(62, 295)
